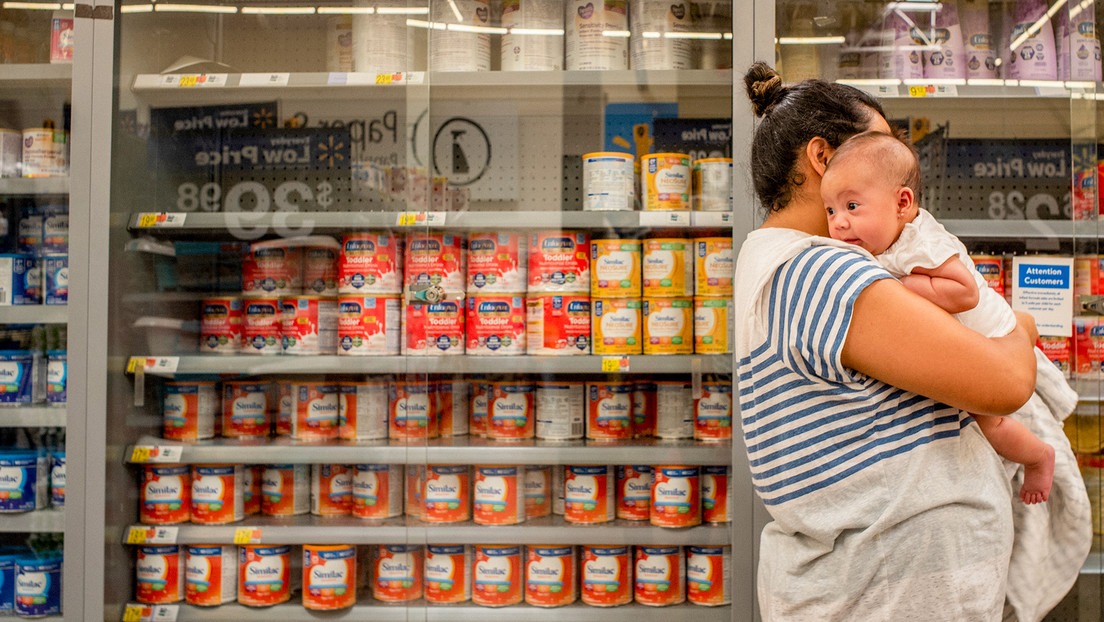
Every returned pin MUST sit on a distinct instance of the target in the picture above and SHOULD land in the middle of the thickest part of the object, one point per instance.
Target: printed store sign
(1043, 287)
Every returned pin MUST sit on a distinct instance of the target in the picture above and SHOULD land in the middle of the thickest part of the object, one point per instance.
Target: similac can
(668, 326)
(674, 409)
(362, 409)
(668, 268)
(708, 569)
(220, 325)
(285, 407)
(1058, 350)
(615, 326)
(37, 585)
(412, 410)
(615, 268)
(538, 491)
(24, 480)
(991, 267)
(434, 329)
(480, 394)
(217, 493)
(496, 575)
(397, 573)
(285, 490)
(251, 488)
(210, 575)
(713, 184)
(634, 492)
(414, 491)
(660, 576)
(55, 272)
(498, 498)
(331, 490)
(713, 412)
(644, 406)
(609, 410)
(665, 181)
(316, 411)
(320, 271)
(716, 494)
(559, 262)
(714, 266)
(606, 576)
(511, 410)
(435, 259)
(447, 494)
(448, 573)
(189, 410)
(713, 320)
(377, 491)
(272, 271)
(308, 325)
(557, 324)
(589, 494)
(159, 575)
(264, 575)
(676, 496)
(245, 409)
(166, 495)
(560, 410)
(550, 576)
(452, 407)
(370, 263)
(497, 262)
(369, 325)
(261, 326)
(496, 324)
(609, 181)
(558, 477)
(329, 576)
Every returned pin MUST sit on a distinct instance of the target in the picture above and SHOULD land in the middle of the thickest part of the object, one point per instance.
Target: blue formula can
(38, 587)
(55, 270)
(57, 479)
(17, 377)
(57, 377)
(20, 280)
(8, 559)
(24, 481)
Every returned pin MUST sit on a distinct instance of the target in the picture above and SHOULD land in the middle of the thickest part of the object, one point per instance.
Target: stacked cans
(497, 282)
(663, 181)
(558, 307)
(615, 287)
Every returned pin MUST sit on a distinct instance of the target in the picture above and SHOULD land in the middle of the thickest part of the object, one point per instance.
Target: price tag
(161, 220)
(615, 364)
(135, 613)
(193, 81)
(139, 534)
(664, 219)
(408, 219)
(421, 219)
(164, 365)
(140, 454)
(153, 453)
(388, 78)
(918, 91)
(264, 79)
(247, 535)
(164, 613)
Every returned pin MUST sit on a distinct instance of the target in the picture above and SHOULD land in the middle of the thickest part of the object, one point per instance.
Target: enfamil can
(166, 495)
(497, 262)
(397, 573)
(589, 494)
(615, 326)
(308, 325)
(329, 576)
(496, 575)
(676, 496)
(538, 491)
(496, 325)
(713, 321)
(559, 262)
(370, 263)
(436, 259)
(660, 576)
(369, 325)
(550, 575)
(668, 268)
(320, 271)
(714, 266)
(264, 575)
(713, 412)
(159, 575)
(217, 494)
(665, 181)
(615, 268)
(634, 492)
(606, 576)
(511, 410)
(261, 326)
(434, 329)
(189, 410)
(499, 497)
(331, 490)
(447, 495)
(220, 325)
(377, 491)
(557, 324)
(716, 493)
(210, 575)
(272, 271)
(362, 412)
(668, 326)
(707, 575)
(609, 410)
(448, 573)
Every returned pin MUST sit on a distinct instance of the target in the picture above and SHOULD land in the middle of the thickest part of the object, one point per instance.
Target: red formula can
(220, 325)
(538, 491)
(159, 575)
(166, 495)
(308, 325)
(269, 270)
(496, 576)
(251, 488)
(448, 574)
(716, 494)
(447, 494)
(285, 490)
(434, 329)
(245, 409)
(362, 412)
(329, 577)
(557, 324)
(331, 490)
(189, 410)
(452, 407)
(320, 271)
(676, 496)
(644, 409)
(261, 326)
(496, 325)
(660, 573)
(708, 570)
(210, 575)
(285, 407)
(370, 263)
(435, 259)
(550, 576)
(413, 410)
(397, 573)
(264, 575)
(480, 394)
(589, 494)
(634, 492)
(497, 262)
(498, 498)
(991, 268)
(217, 493)
(377, 491)
(317, 410)
(606, 576)
(559, 262)
(713, 412)
(414, 491)
(511, 410)
(1088, 341)
(369, 325)
(609, 410)
(1058, 350)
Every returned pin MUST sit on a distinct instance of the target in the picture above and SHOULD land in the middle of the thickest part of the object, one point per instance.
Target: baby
(871, 191)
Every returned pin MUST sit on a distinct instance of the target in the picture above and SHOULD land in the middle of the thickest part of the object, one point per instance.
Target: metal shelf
(35, 186)
(34, 314)
(1020, 229)
(41, 521)
(32, 416)
(977, 89)
(36, 74)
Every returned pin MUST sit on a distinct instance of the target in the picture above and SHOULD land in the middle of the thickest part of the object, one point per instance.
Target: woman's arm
(901, 339)
(950, 286)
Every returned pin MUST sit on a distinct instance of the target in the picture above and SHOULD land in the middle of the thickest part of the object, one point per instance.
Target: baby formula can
(634, 492)
(448, 573)
(589, 494)
(308, 325)
(520, 50)
(714, 266)
(655, 24)
(37, 589)
(220, 325)
(606, 576)
(252, 475)
(665, 181)
(644, 409)
(8, 560)
(561, 410)
(329, 576)
(713, 322)
(24, 481)
(668, 267)
(412, 409)
(674, 409)
(447, 494)
(261, 320)
(320, 271)
(609, 410)
(708, 569)
(264, 575)
(713, 412)
(452, 407)
(1058, 350)
(497, 262)
(377, 491)
(559, 262)
(991, 267)
(713, 184)
(285, 412)
(217, 493)
(21, 382)
(189, 409)
(57, 479)
(362, 409)
(55, 272)
(496, 324)
(245, 409)
(370, 263)
(435, 329)
(466, 44)
(166, 495)
(317, 410)
(586, 48)
(45, 153)
(398, 573)
(159, 575)
(331, 490)
(414, 491)
(615, 326)
(550, 576)
(510, 410)
(57, 376)
(480, 394)
(20, 279)
(11, 159)
(436, 259)
(1088, 340)
(498, 496)
(557, 324)
(210, 575)
(285, 490)
(615, 268)
(660, 573)
(716, 493)
(369, 325)
(538, 491)
(272, 271)
(609, 182)
(676, 496)
(496, 575)
(558, 477)
(668, 326)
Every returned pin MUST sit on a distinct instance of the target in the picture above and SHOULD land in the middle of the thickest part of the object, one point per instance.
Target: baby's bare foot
(1038, 477)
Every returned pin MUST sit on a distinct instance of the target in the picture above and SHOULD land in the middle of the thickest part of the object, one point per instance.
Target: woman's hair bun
(764, 87)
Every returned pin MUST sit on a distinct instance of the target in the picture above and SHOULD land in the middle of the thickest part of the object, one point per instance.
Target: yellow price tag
(247, 535)
(613, 364)
(188, 81)
(385, 78)
(132, 613)
(918, 91)
(147, 220)
(407, 219)
(136, 535)
(140, 454)
(134, 363)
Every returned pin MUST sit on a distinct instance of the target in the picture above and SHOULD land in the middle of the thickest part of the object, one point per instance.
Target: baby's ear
(905, 201)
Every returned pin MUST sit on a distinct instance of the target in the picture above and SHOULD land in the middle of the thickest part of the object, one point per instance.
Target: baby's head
(871, 190)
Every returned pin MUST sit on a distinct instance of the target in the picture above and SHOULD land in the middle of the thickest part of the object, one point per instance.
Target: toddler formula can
(446, 497)
(57, 376)
(559, 262)
(285, 411)
(370, 263)
(55, 271)
(217, 493)
(435, 259)
(1088, 341)
(308, 325)
(609, 410)
(668, 326)
(557, 324)
(24, 481)
(496, 325)
(496, 575)
(644, 409)
(538, 491)
(251, 488)
(329, 577)
(713, 321)
(668, 268)
(660, 576)
(159, 575)
(220, 325)
(665, 181)
(272, 271)
(412, 409)
(331, 490)
(713, 412)
(452, 407)
(991, 268)
(586, 48)
(615, 326)
(615, 268)
(708, 569)
(716, 493)
(550, 576)
(38, 586)
(497, 262)
(245, 409)
(527, 46)
(676, 496)
(609, 182)
(414, 491)
(466, 44)
(606, 576)
(264, 575)
(261, 328)
(589, 494)
(674, 409)
(1057, 350)
(320, 271)
(189, 410)
(713, 267)
(369, 325)
(634, 492)
(561, 410)
(397, 573)
(510, 410)
(448, 573)
(285, 490)
(480, 394)
(498, 498)
(377, 491)
(434, 329)
(45, 152)
(166, 495)
(57, 479)
(362, 409)
(713, 184)
(210, 575)
(316, 411)
(20, 280)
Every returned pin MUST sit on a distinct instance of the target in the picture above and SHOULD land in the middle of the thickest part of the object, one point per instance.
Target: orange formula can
(713, 412)
(320, 271)
(1088, 342)
(480, 393)
(166, 495)
(264, 575)
(362, 410)
(272, 271)
(668, 268)
(615, 268)
(538, 491)
(285, 407)
(991, 268)
(674, 409)
(370, 263)
(377, 491)
(329, 576)
(210, 575)
(397, 573)
(609, 410)
(437, 259)
(220, 325)
(452, 407)
(414, 490)
(559, 262)
(435, 329)
(713, 321)
(634, 492)
(369, 325)
(159, 575)
(665, 181)
(557, 324)
(316, 411)
(668, 326)
(251, 489)
(1058, 350)
(245, 409)
(644, 409)
(285, 490)
(714, 266)
(447, 494)
(560, 411)
(308, 325)
(412, 409)
(217, 493)
(708, 570)
(616, 325)
(496, 324)
(261, 326)
(511, 410)
(589, 494)
(606, 576)
(676, 496)
(498, 496)
(497, 262)
(550, 576)
(716, 493)
(660, 576)
(496, 575)
(448, 574)
(189, 410)
(331, 490)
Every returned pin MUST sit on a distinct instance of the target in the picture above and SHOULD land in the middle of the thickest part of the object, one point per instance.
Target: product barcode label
(577, 428)
(165, 220)
(140, 534)
(3, 296)
(151, 453)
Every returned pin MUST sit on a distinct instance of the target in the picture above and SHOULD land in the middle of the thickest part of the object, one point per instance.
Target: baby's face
(863, 206)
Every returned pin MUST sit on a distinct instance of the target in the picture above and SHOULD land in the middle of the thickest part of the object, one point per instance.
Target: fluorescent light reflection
(346, 10)
(811, 40)
(278, 10)
(33, 6)
(538, 32)
(623, 34)
(136, 8)
(193, 8)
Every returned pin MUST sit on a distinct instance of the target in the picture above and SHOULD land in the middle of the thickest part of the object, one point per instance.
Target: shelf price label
(417, 219)
(194, 80)
(662, 219)
(136, 613)
(264, 79)
(140, 534)
(247, 535)
(142, 454)
(933, 90)
(615, 364)
(160, 220)
(165, 365)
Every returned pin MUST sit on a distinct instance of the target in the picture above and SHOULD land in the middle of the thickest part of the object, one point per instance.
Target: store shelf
(41, 521)
(32, 416)
(1094, 564)
(977, 89)
(36, 186)
(1021, 229)
(34, 314)
(36, 75)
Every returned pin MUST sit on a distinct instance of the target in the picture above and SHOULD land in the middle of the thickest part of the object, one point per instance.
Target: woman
(887, 501)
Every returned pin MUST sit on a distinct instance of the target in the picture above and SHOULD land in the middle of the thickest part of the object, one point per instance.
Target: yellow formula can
(615, 325)
(714, 266)
(665, 181)
(615, 268)
(668, 268)
(712, 325)
(668, 326)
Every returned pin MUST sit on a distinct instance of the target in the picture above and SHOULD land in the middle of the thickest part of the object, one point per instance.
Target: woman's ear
(818, 151)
